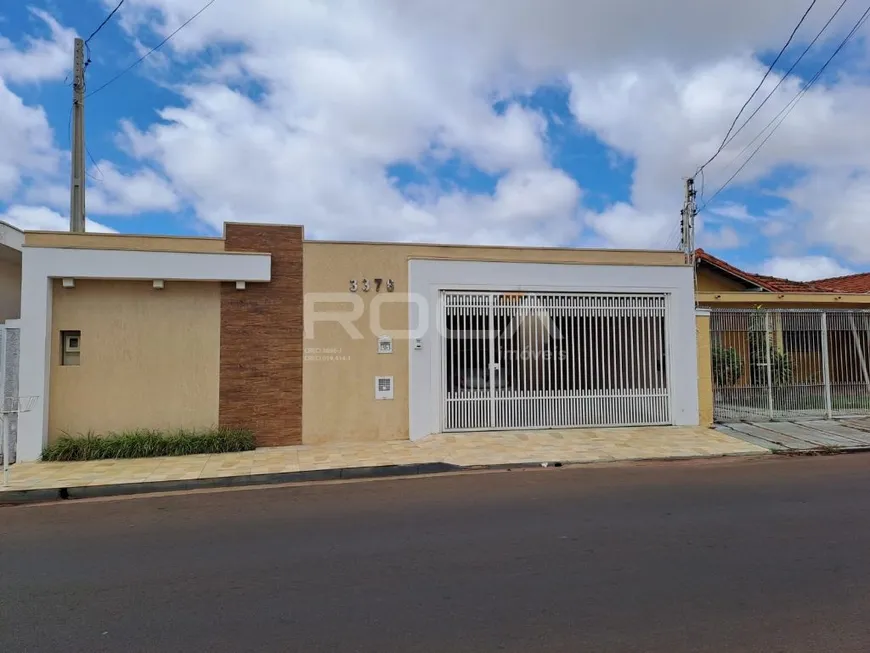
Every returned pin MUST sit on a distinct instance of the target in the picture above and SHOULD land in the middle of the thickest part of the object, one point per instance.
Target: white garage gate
(553, 360)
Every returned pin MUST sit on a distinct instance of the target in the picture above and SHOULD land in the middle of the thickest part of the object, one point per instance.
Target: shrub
(761, 341)
(146, 443)
(727, 367)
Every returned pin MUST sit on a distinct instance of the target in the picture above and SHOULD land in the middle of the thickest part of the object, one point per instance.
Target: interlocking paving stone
(461, 449)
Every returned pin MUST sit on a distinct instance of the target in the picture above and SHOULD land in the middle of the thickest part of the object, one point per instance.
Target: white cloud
(348, 88)
(722, 238)
(26, 142)
(112, 192)
(804, 268)
(39, 218)
(622, 225)
(838, 199)
(40, 59)
(671, 119)
(236, 160)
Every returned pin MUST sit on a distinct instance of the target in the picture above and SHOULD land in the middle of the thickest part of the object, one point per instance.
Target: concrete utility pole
(77, 179)
(687, 242)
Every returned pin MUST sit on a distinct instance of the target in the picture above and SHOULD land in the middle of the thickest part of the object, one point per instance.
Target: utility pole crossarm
(77, 177)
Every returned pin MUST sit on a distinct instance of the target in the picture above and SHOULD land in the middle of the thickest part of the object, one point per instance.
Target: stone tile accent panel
(261, 339)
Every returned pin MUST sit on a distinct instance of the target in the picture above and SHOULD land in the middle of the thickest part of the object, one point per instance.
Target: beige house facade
(311, 341)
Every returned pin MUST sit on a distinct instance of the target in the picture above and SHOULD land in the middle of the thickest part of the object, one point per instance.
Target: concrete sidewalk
(453, 451)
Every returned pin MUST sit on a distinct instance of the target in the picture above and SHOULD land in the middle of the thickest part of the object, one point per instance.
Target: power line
(788, 72)
(96, 165)
(757, 88)
(151, 51)
(787, 109)
(107, 19)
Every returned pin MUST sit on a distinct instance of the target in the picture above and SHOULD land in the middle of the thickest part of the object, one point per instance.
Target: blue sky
(444, 124)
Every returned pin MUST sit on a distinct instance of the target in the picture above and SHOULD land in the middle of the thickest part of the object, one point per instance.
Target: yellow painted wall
(705, 371)
(10, 289)
(122, 241)
(727, 299)
(149, 358)
(339, 370)
(712, 281)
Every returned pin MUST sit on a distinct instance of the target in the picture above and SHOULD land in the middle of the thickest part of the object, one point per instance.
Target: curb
(17, 497)
(46, 495)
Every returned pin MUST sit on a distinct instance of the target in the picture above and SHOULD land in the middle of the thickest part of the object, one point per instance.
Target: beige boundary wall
(150, 358)
(338, 370)
(10, 289)
(66, 240)
(705, 369)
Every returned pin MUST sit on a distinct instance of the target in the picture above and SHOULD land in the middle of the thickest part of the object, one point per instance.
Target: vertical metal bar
(609, 359)
(546, 366)
(481, 393)
(607, 328)
(447, 352)
(605, 360)
(630, 336)
(491, 360)
(578, 351)
(516, 346)
(665, 401)
(484, 359)
(769, 363)
(466, 365)
(619, 337)
(574, 357)
(538, 376)
(859, 350)
(594, 356)
(521, 404)
(583, 387)
(559, 358)
(643, 382)
(826, 369)
(524, 403)
(654, 353)
(662, 339)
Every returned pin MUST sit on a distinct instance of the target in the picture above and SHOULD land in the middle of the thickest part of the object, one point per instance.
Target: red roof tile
(852, 283)
(849, 284)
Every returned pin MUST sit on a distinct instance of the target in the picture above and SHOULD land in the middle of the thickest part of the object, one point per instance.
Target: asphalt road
(761, 555)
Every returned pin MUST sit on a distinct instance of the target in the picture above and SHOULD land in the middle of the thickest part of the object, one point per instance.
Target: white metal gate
(553, 360)
(781, 364)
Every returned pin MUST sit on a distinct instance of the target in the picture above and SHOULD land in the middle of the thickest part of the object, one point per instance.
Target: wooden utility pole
(77, 178)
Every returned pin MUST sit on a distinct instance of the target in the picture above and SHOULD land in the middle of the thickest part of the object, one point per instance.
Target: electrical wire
(151, 51)
(672, 235)
(103, 24)
(787, 73)
(784, 113)
(757, 88)
(96, 165)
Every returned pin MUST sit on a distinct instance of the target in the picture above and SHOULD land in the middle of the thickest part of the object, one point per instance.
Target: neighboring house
(717, 279)
(311, 341)
(786, 349)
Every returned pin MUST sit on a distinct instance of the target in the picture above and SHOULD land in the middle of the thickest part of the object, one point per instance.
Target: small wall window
(70, 347)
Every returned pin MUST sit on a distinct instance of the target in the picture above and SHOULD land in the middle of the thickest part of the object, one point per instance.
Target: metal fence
(789, 364)
(550, 360)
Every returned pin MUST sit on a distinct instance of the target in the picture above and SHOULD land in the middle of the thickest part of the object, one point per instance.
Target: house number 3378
(365, 285)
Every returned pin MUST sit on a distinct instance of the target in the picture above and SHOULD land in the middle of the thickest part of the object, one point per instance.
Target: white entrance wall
(427, 278)
(41, 265)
